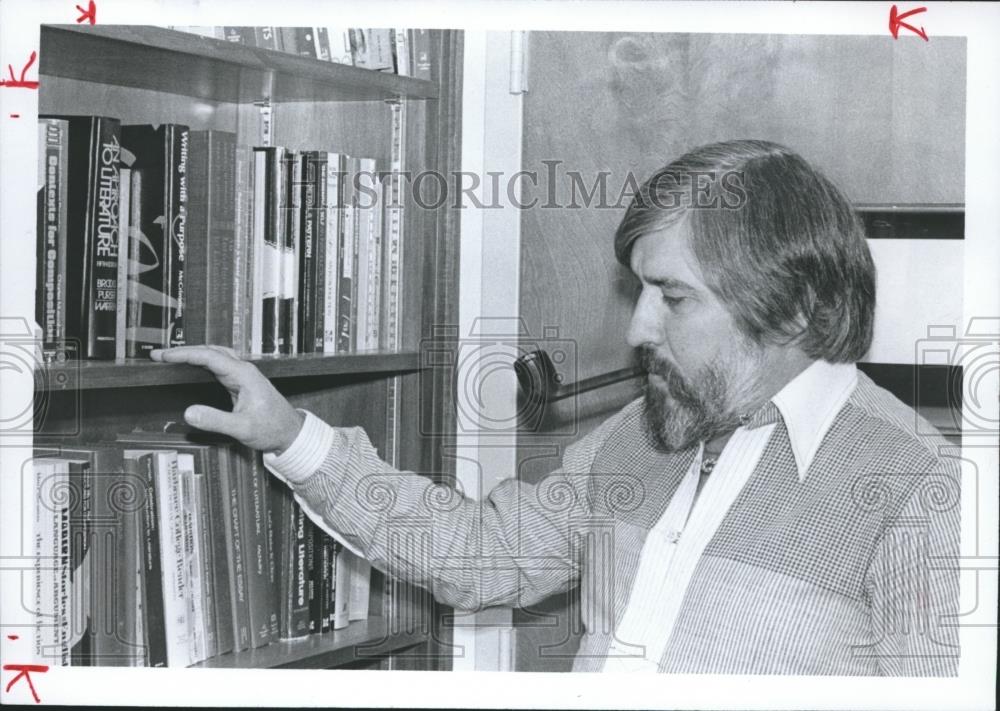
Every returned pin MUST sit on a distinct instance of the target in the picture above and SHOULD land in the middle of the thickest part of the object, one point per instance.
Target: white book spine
(172, 561)
(332, 281)
(192, 555)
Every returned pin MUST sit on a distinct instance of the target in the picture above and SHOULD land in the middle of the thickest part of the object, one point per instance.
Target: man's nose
(646, 326)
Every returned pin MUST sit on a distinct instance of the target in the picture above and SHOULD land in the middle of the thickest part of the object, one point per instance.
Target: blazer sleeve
(514, 547)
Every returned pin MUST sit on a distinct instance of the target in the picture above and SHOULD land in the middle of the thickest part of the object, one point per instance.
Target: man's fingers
(212, 420)
(217, 361)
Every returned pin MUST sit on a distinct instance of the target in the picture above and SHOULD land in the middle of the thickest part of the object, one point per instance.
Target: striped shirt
(825, 541)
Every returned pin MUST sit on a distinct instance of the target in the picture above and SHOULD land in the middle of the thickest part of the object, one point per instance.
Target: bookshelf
(155, 75)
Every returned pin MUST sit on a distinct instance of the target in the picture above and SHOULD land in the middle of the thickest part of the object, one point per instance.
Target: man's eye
(672, 300)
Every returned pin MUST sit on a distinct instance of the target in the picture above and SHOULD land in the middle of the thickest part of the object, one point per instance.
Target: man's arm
(913, 582)
(514, 547)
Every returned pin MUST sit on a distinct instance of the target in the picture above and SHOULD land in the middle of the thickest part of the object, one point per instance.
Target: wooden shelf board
(367, 639)
(159, 59)
(91, 375)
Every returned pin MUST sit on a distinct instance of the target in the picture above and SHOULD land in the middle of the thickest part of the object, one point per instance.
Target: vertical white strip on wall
(488, 308)
(19, 37)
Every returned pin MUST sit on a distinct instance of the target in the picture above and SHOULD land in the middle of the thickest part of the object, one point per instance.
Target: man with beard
(764, 508)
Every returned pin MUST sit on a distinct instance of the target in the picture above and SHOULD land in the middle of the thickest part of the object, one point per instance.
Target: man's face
(702, 372)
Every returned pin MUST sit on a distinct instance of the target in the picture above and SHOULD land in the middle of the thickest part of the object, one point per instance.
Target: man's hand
(261, 418)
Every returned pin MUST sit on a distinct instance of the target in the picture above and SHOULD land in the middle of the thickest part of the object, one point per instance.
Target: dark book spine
(211, 240)
(206, 559)
(219, 537)
(283, 515)
(240, 35)
(322, 43)
(157, 156)
(270, 489)
(420, 43)
(176, 211)
(271, 257)
(231, 485)
(345, 260)
(288, 39)
(266, 37)
(326, 581)
(300, 576)
(308, 253)
(92, 234)
(291, 187)
(314, 538)
(305, 45)
(255, 542)
(128, 570)
(152, 577)
(50, 303)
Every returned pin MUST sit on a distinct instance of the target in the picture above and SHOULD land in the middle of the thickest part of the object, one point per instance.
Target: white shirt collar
(809, 402)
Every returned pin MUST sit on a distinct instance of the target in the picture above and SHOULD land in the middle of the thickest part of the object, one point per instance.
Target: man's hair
(777, 242)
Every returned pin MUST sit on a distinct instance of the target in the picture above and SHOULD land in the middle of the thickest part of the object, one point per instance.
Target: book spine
(334, 217)
(203, 544)
(315, 555)
(176, 210)
(258, 583)
(232, 478)
(374, 338)
(192, 558)
(219, 542)
(242, 285)
(273, 199)
(271, 488)
(282, 511)
(380, 47)
(288, 39)
(342, 588)
(361, 274)
(160, 155)
(133, 283)
(305, 45)
(102, 221)
(211, 241)
(308, 253)
(420, 42)
(401, 49)
(266, 37)
(393, 247)
(300, 575)
(129, 564)
(121, 302)
(318, 270)
(51, 278)
(360, 575)
(240, 35)
(325, 548)
(291, 220)
(340, 45)
(345, 261)
(322, 39)
(154, 612)
(175, 580)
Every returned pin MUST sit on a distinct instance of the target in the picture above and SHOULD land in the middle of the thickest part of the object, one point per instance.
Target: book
(312, 252)
(420, 48)
(243, 253)
(160, 153)
(46, 532)
(240, 35)
(347, 251)
(322, 39)
(269, 209)
(50, 280)
(124, 235)
(151, 594)
(92, 234)
(211, 239)
(340, 45)
(372, 49)
(291, 187)
(331, 266)
(266, 37)
(341, 587)
(401, 52)
(254, 505)
(305, 42)
(360, 581)
(193, 594)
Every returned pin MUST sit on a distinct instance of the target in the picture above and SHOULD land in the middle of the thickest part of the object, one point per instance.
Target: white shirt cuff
(306, 454)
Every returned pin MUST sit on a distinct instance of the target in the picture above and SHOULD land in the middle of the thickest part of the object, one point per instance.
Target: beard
(681, 412)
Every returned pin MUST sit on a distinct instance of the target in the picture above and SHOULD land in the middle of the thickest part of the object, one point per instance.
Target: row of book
(399, 51)
(156, 550)
(158, 236)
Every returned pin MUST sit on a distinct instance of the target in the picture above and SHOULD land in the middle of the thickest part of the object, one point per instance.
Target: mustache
(654, 365)
(679, 388)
